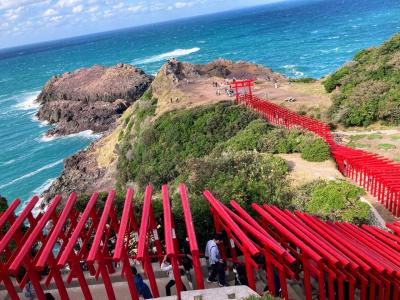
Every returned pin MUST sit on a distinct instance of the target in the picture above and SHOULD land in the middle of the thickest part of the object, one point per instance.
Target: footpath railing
(378, 175)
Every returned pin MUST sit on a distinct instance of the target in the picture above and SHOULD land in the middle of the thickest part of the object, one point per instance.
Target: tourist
(49, 296)
(29, 291)
(240, 274)
(166, 266)
(187, 263)
(215, 261)
(141, 288)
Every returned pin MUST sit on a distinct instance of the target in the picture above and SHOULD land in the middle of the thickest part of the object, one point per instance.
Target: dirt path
(302, 171)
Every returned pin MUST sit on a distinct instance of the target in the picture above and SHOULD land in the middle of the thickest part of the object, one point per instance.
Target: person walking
(166, 266)
(141, 288)
(215, 261)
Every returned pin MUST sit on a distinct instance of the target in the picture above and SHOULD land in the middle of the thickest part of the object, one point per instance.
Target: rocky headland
(90, 98)
(95, 168)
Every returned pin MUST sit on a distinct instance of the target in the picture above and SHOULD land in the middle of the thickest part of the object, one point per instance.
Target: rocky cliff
(90, 98)
(95, 169)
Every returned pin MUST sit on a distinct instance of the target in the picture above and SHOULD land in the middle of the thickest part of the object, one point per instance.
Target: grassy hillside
(223, 147)
(367, 89)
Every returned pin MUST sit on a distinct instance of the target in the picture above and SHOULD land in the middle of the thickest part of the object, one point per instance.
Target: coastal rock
(82, 175)
(82, 172)
(220, 68)
(91, 98)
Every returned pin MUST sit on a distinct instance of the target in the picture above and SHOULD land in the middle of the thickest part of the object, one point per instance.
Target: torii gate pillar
(243, 84)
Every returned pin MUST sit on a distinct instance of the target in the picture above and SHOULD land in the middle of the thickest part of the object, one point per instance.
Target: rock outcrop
(82, 172)
(90, 99)
(220, 68)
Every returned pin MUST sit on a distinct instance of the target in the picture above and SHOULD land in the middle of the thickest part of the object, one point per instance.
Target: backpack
(187, 263)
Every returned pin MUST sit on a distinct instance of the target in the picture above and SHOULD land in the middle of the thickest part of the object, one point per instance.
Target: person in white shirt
(166, 266)
(215, 261)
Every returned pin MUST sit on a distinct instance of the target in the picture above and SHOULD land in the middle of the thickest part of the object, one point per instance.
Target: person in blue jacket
(141, 287)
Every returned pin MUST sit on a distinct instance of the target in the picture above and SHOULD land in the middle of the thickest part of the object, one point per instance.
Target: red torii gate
(342, 257)
(243, 84)
(375, 173)
(83, 237)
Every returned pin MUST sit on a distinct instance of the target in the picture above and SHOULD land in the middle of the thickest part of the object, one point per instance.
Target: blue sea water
(296, 38)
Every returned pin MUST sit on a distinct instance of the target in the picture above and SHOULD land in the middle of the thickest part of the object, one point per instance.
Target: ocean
(296, 38)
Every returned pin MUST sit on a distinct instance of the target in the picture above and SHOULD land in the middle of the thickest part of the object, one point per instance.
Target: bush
(338, 201)
(3, 204)
(176, 136)
(334, 80)
(303, 80)
(316, 150)
(245, 176)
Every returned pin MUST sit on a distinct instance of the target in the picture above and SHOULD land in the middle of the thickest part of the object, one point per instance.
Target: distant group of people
(227, 90)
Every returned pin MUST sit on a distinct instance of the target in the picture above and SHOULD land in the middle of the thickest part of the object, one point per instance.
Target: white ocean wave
(330, 50)
(48, 166)
(292, 69)
(40, 189)
(166, 55)
(86, 134)
(41, 123)
(28, 101)
(6, 163)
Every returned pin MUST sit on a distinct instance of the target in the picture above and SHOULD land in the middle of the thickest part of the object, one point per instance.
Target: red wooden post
(192, 236)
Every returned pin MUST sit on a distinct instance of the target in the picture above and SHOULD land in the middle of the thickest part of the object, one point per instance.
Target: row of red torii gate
(346, 261)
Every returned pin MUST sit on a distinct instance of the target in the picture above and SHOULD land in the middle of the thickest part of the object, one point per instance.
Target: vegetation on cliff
(223, 147)
(367, 89)
(3, 204)
(333, 201)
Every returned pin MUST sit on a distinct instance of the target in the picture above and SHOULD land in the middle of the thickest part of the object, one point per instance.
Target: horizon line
(147, 24)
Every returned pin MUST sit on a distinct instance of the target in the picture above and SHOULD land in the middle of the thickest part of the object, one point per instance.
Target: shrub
(334, 80)
(338, 201)
(303, 80)
(3, 204)
(176, 136)
(316, 151)
(245, 176)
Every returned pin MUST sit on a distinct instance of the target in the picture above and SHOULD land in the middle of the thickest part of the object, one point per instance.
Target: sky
(31, 21)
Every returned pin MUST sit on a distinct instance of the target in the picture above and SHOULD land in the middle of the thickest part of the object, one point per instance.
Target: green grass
(374, 136)
(386, 146)
(353, 144)
(303, 80)
(395, 137)
(357, 137)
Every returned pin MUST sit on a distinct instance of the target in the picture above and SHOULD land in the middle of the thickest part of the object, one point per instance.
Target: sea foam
(293, 69)
(28, 101)
(86, 134)
(166, 55)
(40, 189)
